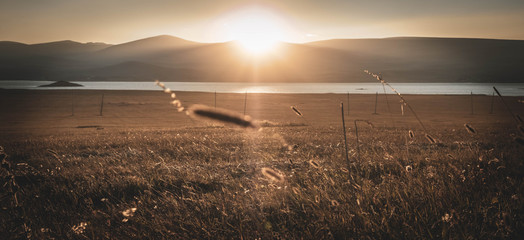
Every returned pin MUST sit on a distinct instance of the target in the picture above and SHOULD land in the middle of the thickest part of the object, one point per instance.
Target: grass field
(142, 170)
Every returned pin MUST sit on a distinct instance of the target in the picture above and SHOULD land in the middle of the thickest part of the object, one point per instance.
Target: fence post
(102, 105)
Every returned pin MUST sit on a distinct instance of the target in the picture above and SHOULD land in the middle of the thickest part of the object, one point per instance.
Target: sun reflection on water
(256, 89)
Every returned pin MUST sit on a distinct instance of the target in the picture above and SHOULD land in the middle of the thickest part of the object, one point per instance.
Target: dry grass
(207, 183)
(285, 181)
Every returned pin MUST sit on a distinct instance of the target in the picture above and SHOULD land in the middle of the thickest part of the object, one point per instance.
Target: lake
(506, 89)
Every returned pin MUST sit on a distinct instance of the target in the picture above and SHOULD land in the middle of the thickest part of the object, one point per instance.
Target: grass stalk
(505, 104)
(344, 131)
(358, 145)
(245, 103)
(387, 103)
(356, 134)
(400, 96)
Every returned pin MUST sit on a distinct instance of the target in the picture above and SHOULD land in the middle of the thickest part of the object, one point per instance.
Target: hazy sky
(117, 21)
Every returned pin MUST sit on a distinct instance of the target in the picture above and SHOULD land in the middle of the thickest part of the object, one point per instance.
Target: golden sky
(118, 21)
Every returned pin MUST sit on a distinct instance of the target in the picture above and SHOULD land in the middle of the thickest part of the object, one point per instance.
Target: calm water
(507, 89)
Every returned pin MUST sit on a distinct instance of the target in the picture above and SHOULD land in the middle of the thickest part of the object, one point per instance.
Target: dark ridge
(62, 84)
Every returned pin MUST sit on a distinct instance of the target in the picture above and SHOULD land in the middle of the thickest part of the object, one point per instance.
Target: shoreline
(79, 89)
(507, 89)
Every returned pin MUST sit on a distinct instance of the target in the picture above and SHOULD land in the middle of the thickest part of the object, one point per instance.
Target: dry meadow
(143, 170)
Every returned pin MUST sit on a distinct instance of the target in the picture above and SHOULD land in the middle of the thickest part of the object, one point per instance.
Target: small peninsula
(62, 84)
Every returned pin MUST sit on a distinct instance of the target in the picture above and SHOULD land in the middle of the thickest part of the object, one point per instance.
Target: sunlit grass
(208, 183)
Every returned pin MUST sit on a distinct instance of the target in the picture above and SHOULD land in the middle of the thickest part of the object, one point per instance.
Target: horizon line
(291, 42)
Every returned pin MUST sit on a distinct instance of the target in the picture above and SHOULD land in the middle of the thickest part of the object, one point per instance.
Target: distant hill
(61, 48)
(168, 58)
(438, 59)
(45, 61)
(148, 48)
(137, 71)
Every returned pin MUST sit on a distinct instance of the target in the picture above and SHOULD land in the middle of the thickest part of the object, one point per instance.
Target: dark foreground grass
(207, 183)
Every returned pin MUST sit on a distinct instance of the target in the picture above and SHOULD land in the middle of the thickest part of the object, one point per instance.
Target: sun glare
(256, 30)
(257, 43)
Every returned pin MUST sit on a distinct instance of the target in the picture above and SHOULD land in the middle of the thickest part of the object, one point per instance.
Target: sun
(256, 30)
(257, 43)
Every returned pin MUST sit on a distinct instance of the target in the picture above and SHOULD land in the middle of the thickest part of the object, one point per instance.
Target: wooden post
(376, 102)
(344, 131)
(492, 101)
(245, 103)
(348, 104)
(72, 103)
(471, 102)
(215, 99)
(102, 105)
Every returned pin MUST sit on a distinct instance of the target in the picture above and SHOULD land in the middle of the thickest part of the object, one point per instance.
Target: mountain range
(168, 58)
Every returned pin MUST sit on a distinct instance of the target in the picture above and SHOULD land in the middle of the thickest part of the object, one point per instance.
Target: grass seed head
(177, 103)
(314, 163)
(221, 115)
(129, 212)
(295, 109)
(411, 134)
(470, 129)
(431, 139)
(272, 174)
(79, 228)
(158, 83)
